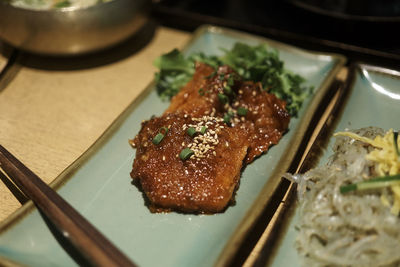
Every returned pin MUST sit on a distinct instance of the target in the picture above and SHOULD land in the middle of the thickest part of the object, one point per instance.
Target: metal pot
(72, 31)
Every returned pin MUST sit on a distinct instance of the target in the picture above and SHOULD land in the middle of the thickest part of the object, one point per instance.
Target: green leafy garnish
(253, 63)
(260, 64)
(175, 72)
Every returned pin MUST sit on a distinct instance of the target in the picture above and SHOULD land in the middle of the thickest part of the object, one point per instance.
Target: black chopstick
(95, 247)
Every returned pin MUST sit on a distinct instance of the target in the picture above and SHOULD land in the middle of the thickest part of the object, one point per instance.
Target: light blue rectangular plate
(99, 186)
(372, 99)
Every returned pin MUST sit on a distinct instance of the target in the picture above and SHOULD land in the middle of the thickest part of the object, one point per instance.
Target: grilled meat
(266, 119)
(234, 121)
(223, 93)
(203, 183)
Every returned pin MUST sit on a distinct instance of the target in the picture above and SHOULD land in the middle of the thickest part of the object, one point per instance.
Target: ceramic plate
(373, 99)
(99, 186)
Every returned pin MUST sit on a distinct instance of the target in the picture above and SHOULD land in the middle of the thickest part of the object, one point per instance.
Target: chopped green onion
(379, 182)
(221, 77)
(227, 117)
(395, 136)
(223, 98)
(228, 90)
(348, 188)
(165, 129)
(201, 91)
(241, 111)
(160, 136)
(191, 131)
(186, 153)
(230, 80)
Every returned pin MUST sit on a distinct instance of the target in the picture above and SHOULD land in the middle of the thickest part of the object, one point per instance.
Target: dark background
(362, 30)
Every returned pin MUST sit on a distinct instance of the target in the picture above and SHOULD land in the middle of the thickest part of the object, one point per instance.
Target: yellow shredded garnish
(386, 156)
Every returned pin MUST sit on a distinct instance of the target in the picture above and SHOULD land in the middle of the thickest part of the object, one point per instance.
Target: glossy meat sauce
(266, 119)
(205, 182)
(251, 119)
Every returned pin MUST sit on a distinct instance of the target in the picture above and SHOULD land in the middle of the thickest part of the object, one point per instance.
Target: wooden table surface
(53, 109)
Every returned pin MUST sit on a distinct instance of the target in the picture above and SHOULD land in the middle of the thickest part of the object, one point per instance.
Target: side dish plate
(372, 99)
(99, 186)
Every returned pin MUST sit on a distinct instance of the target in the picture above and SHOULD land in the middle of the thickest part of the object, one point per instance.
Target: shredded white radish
(352, 229)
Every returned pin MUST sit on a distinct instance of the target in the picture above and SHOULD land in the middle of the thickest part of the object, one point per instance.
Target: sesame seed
(205, 143)
(163, 158)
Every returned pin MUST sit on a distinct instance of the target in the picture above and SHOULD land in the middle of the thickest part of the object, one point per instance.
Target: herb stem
(379, 182)
(396, 147)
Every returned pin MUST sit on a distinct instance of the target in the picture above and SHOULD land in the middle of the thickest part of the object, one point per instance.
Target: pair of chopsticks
(86, 239)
